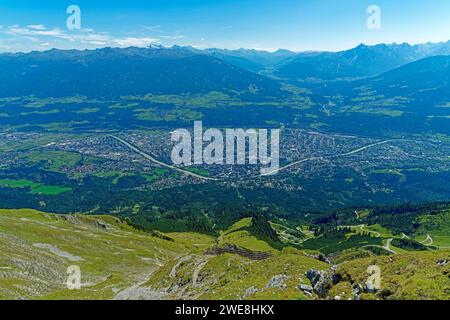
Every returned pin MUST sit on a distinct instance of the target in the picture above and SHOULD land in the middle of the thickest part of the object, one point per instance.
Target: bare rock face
(306, 289)
(357, 289)
(442, 262)
(101, 224)
(277, 281)
(319, 256)
(322, 281)
(249, 292)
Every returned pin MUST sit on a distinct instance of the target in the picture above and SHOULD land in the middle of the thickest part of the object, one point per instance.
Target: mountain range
(426, 80)
(132, 71)
(377, 77)
(362, 61)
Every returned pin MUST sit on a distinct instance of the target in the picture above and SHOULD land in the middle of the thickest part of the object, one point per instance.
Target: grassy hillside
(234, 277)
(37, 248)
(434, 229)
(231, 276)
(241, 235)
(412, 275)
(119, 262)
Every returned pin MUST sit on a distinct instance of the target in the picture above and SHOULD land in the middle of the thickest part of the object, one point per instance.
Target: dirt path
(362, 227)
(428, 241)
(387, 246)
(376, 233)
(197, 271)
(173, 272)
(138, 292)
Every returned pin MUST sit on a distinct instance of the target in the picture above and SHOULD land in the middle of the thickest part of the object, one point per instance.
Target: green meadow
(35, 188)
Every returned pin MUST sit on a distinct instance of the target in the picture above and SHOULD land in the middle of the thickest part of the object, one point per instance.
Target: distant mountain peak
(281, 51)
(156, 46)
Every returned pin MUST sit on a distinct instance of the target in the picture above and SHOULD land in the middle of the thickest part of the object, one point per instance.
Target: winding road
(387, 246)
(156, 161)
(376, 233)
(362, 227)
(339, 155)
(428, 241)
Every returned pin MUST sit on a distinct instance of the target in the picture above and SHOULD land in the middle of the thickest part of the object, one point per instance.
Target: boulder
(276, 281)
(357, 289)
(441, 262)
(322, 281)
(249, 292)
(305, 287)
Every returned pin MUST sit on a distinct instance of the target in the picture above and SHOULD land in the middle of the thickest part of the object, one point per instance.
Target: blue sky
(261, 24)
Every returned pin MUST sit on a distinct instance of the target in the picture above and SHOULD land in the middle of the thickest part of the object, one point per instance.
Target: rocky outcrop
(357, 289)
(442, 262)
(306, 289)
(249, 292)
(277, 281)
(319, 256)
(322, 281)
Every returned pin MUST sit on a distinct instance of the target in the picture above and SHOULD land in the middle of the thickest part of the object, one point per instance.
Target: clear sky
(261, 24)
